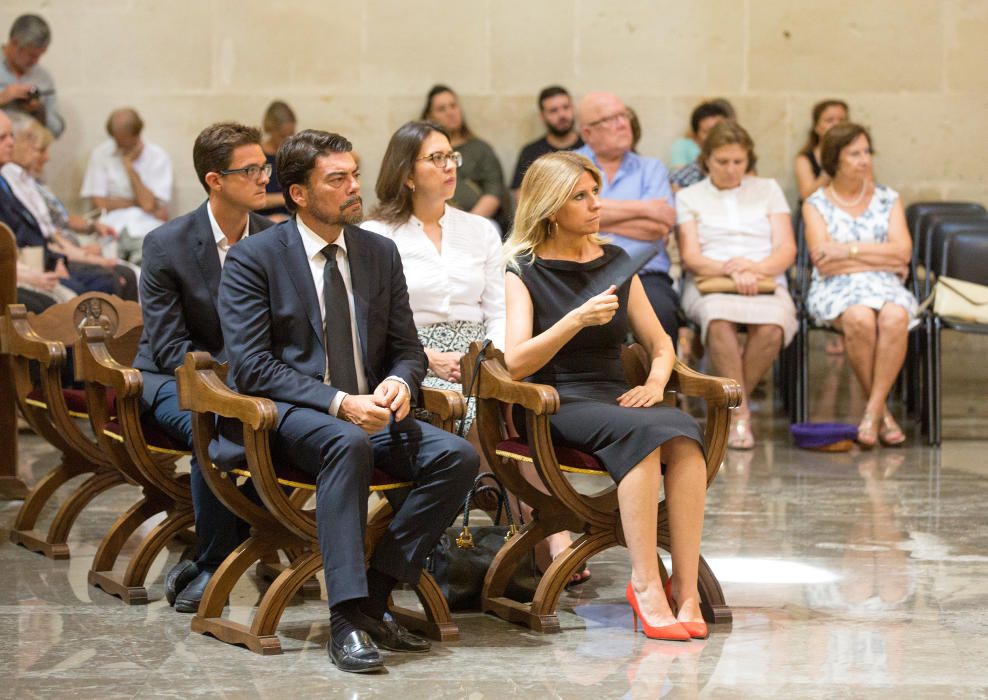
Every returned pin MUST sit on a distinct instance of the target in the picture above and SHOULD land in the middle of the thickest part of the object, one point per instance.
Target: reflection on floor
(861, 574)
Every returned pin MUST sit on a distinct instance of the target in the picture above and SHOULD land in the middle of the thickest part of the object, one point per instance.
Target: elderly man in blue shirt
(636, 207)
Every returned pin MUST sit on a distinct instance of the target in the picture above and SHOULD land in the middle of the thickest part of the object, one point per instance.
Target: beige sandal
(740, 436)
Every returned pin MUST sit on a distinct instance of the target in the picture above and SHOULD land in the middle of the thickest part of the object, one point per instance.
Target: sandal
(890, 433)
(867, 431)
(740, 436)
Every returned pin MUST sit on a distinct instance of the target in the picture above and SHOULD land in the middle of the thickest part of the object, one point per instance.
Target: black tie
(337, 331)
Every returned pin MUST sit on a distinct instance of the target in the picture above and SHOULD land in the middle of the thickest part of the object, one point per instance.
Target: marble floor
(850, 575)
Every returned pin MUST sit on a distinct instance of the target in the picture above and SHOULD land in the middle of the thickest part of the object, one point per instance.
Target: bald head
(604, 124)
(124, 126)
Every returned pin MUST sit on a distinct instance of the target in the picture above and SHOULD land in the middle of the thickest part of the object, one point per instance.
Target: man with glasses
(180, 277)
(556, 112)
(24, 85)
(130, 180)
(636, 200)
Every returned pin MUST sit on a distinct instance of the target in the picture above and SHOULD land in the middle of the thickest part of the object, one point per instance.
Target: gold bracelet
(853, 253)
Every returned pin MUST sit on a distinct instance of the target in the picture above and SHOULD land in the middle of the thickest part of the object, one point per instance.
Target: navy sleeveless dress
(588, 373)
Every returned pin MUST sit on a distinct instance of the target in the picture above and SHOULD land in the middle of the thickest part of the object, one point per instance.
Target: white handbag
(961, 301)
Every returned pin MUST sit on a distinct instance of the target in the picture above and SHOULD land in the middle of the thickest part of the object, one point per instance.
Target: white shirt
(106, 176)
(464, 281)
(26, 190)
(222, 244)
(314, 245)
(735, 222)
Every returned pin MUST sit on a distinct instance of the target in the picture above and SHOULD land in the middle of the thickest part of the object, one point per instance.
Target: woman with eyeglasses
(480, 185)
(452, 258)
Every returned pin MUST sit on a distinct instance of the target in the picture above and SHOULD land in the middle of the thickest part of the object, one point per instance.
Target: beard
(560, 131)
(342, 216)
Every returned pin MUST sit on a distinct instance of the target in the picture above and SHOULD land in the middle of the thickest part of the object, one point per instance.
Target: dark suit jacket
(270, 315)
(180, 278)
(23, 224)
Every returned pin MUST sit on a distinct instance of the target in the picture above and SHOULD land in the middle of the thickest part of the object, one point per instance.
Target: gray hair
(31, 30)
(23, 125)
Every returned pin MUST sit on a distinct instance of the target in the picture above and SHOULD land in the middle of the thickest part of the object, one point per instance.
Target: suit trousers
(665, 301)
(218, 530)
(342, 457)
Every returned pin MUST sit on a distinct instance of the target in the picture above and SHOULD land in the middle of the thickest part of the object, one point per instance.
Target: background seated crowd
(440, 278)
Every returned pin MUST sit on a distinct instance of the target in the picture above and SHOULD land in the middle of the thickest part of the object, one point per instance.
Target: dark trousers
(665, 301)
(219, 531)
(342, 457)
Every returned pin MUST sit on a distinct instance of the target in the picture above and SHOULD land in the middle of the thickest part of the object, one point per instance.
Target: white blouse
(735, 222)
(462, 282)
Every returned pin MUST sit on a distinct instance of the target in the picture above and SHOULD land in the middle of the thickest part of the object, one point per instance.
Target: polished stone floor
(851, 575)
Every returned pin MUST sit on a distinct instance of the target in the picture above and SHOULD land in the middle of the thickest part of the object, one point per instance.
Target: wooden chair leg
(209, 617)
(436, 620)
(101, 574)
(263, 633)
(53, 543)
(712, 604)
(270, 567)
(133, 581)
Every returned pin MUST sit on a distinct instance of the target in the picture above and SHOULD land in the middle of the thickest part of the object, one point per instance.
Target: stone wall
(913, 70)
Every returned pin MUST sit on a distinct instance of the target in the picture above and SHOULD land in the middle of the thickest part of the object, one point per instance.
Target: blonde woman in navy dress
(566, 323)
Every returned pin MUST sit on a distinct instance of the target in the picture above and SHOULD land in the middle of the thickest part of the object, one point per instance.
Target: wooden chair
(12, 487)
(141, 452)
(51, 409)
(284, 523)
(596, 516)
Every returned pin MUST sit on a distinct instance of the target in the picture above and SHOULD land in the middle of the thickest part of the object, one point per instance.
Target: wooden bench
(283, 523)
(52, 409)
(12, 487)
(561, 507)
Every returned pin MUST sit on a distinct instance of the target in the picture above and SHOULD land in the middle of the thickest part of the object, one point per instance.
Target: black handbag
(460, 560)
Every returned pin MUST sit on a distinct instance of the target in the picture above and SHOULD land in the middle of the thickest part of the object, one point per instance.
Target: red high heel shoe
(670, 633)
(697, 630)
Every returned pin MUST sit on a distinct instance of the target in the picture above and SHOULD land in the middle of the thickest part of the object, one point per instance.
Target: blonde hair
(547, 184)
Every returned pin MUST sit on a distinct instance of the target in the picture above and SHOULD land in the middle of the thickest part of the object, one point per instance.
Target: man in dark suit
(316, 317)
(180, 278)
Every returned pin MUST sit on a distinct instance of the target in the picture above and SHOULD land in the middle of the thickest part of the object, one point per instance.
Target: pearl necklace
(845, 204)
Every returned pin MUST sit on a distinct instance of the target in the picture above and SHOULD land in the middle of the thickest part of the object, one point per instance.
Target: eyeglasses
(251, 171)
(611, 121)
(439, 159)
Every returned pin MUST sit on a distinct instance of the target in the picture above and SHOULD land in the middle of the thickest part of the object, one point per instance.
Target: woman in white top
(452, 259)
(734, 224)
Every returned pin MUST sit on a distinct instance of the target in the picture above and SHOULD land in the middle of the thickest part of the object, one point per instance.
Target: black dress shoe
(357, 654)
(188, 600)
(389, 634)
(178, 578)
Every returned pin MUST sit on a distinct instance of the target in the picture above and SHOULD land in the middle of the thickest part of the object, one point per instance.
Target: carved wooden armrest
(201, 389)
(717, 391)
(496, 383)
(95, 358)
(19, 338)
(444, 403)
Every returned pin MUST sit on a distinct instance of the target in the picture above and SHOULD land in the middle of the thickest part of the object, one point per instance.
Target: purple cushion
(567, 456)
(814, 436)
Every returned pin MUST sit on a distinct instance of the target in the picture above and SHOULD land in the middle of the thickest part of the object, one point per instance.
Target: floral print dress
(830, 296)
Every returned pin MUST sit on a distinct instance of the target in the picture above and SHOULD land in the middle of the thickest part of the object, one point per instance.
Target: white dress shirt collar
(314, 243)
(222, 244)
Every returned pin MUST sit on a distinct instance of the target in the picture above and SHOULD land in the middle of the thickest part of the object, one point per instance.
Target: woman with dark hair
(279, 123)
(809, 175)
(452, 259)
(566, 322)
(735, 226)
(480, 179)
(860, 248)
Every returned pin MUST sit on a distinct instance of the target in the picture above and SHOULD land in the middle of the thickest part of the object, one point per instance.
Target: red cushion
(567, 456)
(75, 399)
(155, 436)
